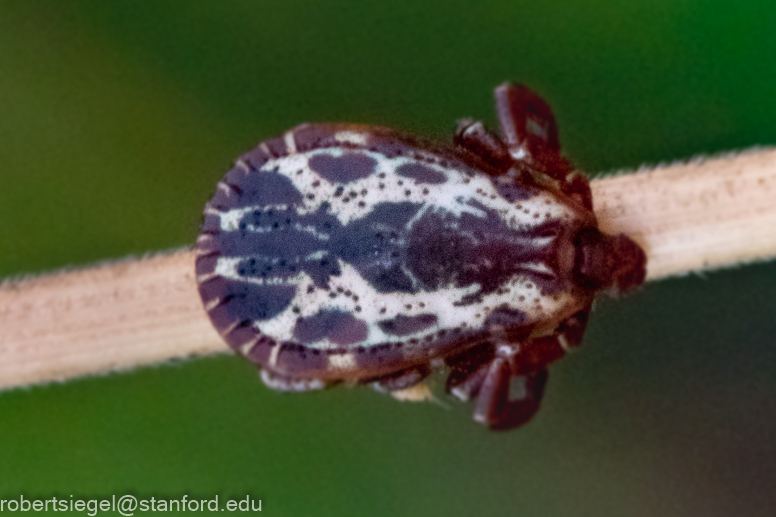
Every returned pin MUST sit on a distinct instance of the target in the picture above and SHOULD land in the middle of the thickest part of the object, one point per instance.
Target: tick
(357, 254)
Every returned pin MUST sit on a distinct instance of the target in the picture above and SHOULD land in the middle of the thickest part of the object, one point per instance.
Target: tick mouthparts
(608, 261)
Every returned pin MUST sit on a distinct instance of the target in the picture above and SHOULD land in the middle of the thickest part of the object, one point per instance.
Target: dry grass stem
(689, 217)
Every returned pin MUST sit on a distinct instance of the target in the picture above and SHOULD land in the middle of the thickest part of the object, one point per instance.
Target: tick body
(342, 252)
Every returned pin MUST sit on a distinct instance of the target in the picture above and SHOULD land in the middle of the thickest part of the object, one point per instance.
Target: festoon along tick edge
(352, 253)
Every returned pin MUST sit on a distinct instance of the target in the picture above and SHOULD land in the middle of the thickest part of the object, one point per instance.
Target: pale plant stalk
(690, 217)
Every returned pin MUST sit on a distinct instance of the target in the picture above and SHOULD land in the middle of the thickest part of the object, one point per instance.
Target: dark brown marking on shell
(421, 173)
(513, 190)
(271, 246)
(341, 328)
(244, 301)
(505, 317)
(376, 246)
(403, 325)
(343, 169)
(460, 251)
(265, 188)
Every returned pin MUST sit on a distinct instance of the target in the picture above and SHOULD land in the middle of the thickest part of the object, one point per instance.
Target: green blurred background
(117, 119)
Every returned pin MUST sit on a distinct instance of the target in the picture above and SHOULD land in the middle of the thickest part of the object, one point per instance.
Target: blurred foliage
(116, 119)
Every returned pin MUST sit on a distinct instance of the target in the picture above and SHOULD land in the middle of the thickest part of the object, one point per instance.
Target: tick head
(608, 261)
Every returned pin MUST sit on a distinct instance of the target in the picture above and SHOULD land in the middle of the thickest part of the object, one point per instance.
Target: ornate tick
(342, 252)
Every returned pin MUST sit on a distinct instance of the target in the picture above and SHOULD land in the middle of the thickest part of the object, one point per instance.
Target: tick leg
(503, 399)
(468, 371)
(473, 137)
(577, 186)
(527, 123)
(535, 353)
(509, 387)
(400, 380)
(283, 383)
(466, 388)
(506, 401)
(531, 136)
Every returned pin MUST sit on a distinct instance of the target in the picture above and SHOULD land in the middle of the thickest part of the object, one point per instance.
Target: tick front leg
(535, 353)
(505, 400)
(531, 135)
(473, 137)
(468, 371)
(527, 123)
(507, 379)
